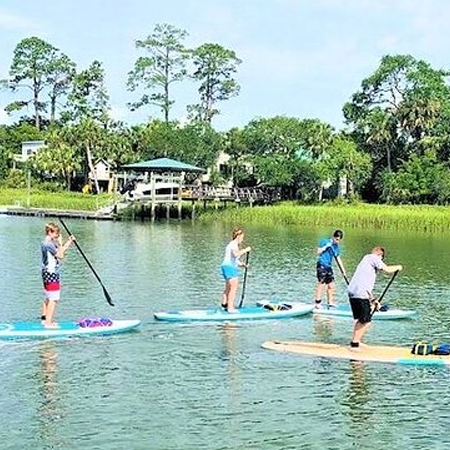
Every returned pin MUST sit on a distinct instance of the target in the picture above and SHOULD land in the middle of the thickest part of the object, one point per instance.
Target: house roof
(104, 161)
(162, 165)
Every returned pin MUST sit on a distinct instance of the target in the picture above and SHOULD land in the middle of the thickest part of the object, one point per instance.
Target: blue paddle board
(35, 330)
(345, 311)
(244, 313)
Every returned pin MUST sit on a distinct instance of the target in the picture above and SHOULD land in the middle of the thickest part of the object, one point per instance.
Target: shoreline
(44, 212)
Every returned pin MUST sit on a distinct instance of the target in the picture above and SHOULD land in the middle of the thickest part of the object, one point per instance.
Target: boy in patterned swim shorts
(53, 252)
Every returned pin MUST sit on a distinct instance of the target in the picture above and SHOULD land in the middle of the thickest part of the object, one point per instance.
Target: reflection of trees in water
(49, 409)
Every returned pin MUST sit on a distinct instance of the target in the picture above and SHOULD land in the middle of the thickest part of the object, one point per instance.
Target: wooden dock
(177, 203)
(193, 198)
(41, 212)
(248, 195)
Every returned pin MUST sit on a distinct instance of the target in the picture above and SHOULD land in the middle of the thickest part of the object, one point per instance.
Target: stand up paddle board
(35, 330)
(345, 311)
(370, 353)
(244, 313)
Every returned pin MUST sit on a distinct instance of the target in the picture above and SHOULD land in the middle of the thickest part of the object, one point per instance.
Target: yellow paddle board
(371, 353)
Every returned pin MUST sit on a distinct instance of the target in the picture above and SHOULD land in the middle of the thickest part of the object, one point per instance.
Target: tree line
(394, 148)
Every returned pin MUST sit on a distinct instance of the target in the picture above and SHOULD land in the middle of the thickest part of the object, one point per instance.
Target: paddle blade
(107, 296)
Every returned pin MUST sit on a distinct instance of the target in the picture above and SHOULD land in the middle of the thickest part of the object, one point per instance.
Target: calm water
(210, 386)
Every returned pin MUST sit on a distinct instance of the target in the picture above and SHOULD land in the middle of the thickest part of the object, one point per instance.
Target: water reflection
(358, 393)
(323, 328)
(49, 409)
(357, 406)
(232, 383)
(230, 356)
(229, 334)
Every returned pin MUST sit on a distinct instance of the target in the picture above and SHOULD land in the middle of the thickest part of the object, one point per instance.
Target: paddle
(340, 266)
(105, 292)
(385, 290)
(245, 280)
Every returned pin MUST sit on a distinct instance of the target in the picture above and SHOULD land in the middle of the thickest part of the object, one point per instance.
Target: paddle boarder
(327, 251)
(360, 291)
(53, 251)
(230, 269)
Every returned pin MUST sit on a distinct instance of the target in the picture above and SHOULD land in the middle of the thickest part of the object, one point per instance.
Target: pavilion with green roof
(161, 184)
(162, 165)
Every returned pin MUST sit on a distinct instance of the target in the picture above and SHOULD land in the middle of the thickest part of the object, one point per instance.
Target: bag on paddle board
(278, 307)
(383, 308)
(442, 349)
(422, 348)
(88, 322)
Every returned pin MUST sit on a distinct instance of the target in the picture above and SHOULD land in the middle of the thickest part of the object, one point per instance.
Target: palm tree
(379, 125)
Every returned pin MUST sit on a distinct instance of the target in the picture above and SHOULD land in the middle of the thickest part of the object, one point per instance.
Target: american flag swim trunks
(51, 281)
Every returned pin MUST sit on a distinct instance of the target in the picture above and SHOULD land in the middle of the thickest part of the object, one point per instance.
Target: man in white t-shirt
(360, 291)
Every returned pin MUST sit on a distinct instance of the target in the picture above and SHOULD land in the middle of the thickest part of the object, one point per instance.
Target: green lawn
(53, 200)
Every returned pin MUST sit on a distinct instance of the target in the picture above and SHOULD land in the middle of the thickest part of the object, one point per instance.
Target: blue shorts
(229, 272)
(324, 274)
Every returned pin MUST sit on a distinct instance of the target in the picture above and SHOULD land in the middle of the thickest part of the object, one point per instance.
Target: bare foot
(232, 311)
(51, 325)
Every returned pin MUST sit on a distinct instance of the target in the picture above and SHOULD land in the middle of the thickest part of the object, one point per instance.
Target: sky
(300, 58)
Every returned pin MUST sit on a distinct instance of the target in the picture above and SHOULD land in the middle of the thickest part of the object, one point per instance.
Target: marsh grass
(411, 218)
(53, 200)
(421, 218)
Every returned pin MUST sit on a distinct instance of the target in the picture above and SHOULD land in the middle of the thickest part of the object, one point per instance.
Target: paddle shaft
(384, 291)
(340, 266)
(105, 292)
(387, 286)
(245, 280)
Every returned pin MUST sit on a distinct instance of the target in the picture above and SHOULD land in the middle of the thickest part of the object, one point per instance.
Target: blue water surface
(211, 386)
